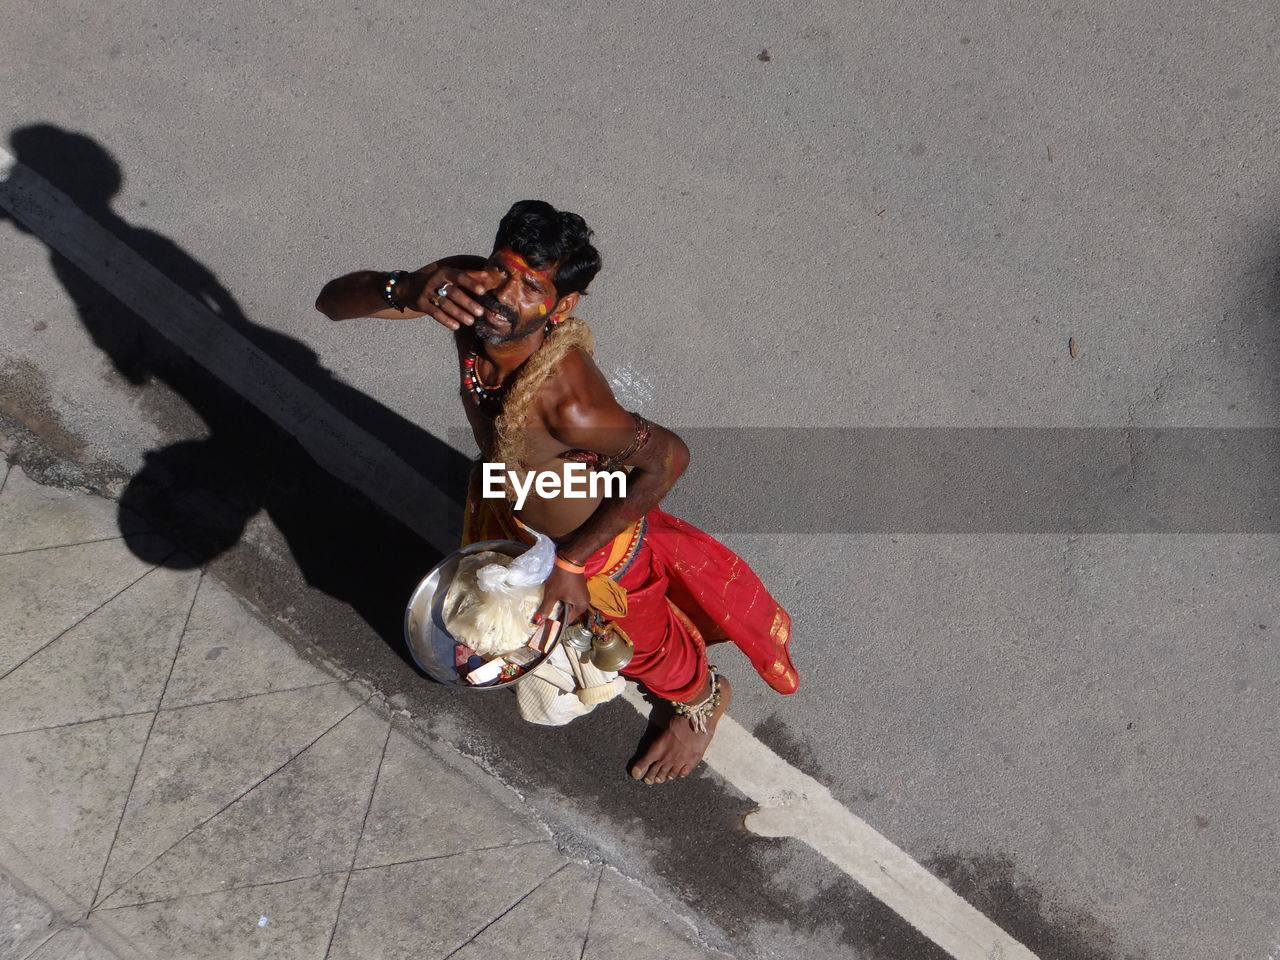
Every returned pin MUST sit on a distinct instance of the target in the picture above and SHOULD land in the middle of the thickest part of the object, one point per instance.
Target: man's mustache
(490, 303)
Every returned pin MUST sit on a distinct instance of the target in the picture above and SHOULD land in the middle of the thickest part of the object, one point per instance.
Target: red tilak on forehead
(517, 264)
(513, 261)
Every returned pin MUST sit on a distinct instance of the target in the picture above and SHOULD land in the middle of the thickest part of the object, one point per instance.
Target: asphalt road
(812, 217)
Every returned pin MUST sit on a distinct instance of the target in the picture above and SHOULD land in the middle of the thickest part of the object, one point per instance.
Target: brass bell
(578, 636)
(611, 649)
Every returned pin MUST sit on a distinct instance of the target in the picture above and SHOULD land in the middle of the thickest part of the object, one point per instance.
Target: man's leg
(671, 663)
(679, 748)
(723, 597)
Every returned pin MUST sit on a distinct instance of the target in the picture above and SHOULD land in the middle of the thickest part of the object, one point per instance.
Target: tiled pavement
(177, 782)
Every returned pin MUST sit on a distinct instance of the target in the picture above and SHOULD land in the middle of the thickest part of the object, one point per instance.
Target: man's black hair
(542, 234)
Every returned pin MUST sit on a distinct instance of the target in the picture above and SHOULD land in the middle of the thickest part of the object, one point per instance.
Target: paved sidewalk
(177, 782)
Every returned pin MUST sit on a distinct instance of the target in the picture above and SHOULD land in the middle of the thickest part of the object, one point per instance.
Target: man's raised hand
(402, 296)
(453, 308)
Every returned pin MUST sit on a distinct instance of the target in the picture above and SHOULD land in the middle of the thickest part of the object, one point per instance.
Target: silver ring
(444, 289)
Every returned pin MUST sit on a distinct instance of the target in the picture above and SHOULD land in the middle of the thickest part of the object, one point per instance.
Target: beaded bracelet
(389, 287)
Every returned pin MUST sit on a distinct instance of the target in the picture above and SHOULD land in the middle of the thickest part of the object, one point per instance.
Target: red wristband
(564, 563)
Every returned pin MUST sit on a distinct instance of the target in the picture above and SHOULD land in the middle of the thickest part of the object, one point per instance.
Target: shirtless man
(546, 408)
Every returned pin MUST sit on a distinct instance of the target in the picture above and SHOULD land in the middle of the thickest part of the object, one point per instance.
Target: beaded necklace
(483, 392)
(489, 398)
(471, 379)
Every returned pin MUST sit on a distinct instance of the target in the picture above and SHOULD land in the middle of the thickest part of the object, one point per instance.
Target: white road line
(792, 804)
(333, 440)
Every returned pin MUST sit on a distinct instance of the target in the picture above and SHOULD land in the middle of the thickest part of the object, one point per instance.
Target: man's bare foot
(679, 748)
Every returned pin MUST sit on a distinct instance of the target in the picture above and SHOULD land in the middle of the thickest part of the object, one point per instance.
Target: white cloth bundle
(563, 688)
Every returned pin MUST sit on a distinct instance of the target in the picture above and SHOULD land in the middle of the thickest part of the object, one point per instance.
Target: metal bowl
(430, 644)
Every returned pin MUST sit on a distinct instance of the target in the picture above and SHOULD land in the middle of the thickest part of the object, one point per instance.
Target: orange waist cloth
(684, 589)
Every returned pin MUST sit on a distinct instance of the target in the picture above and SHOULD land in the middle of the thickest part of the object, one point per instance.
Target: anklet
(700, 713)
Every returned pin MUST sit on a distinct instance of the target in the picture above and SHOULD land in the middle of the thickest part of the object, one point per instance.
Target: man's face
(518, 298)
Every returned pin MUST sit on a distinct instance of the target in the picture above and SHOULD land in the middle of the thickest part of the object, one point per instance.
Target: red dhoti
(684, 589)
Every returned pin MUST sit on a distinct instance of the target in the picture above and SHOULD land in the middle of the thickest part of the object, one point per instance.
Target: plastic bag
(492, 599)
(529, 569)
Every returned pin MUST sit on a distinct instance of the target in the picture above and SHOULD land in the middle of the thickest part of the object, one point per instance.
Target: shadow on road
(229, 461)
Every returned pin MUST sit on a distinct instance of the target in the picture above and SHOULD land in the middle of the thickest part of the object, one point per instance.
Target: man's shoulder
(578, 367)
(578, 393)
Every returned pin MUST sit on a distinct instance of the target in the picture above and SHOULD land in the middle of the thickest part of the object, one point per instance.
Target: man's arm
(361, 294)
(655, 468)
(603, 426)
